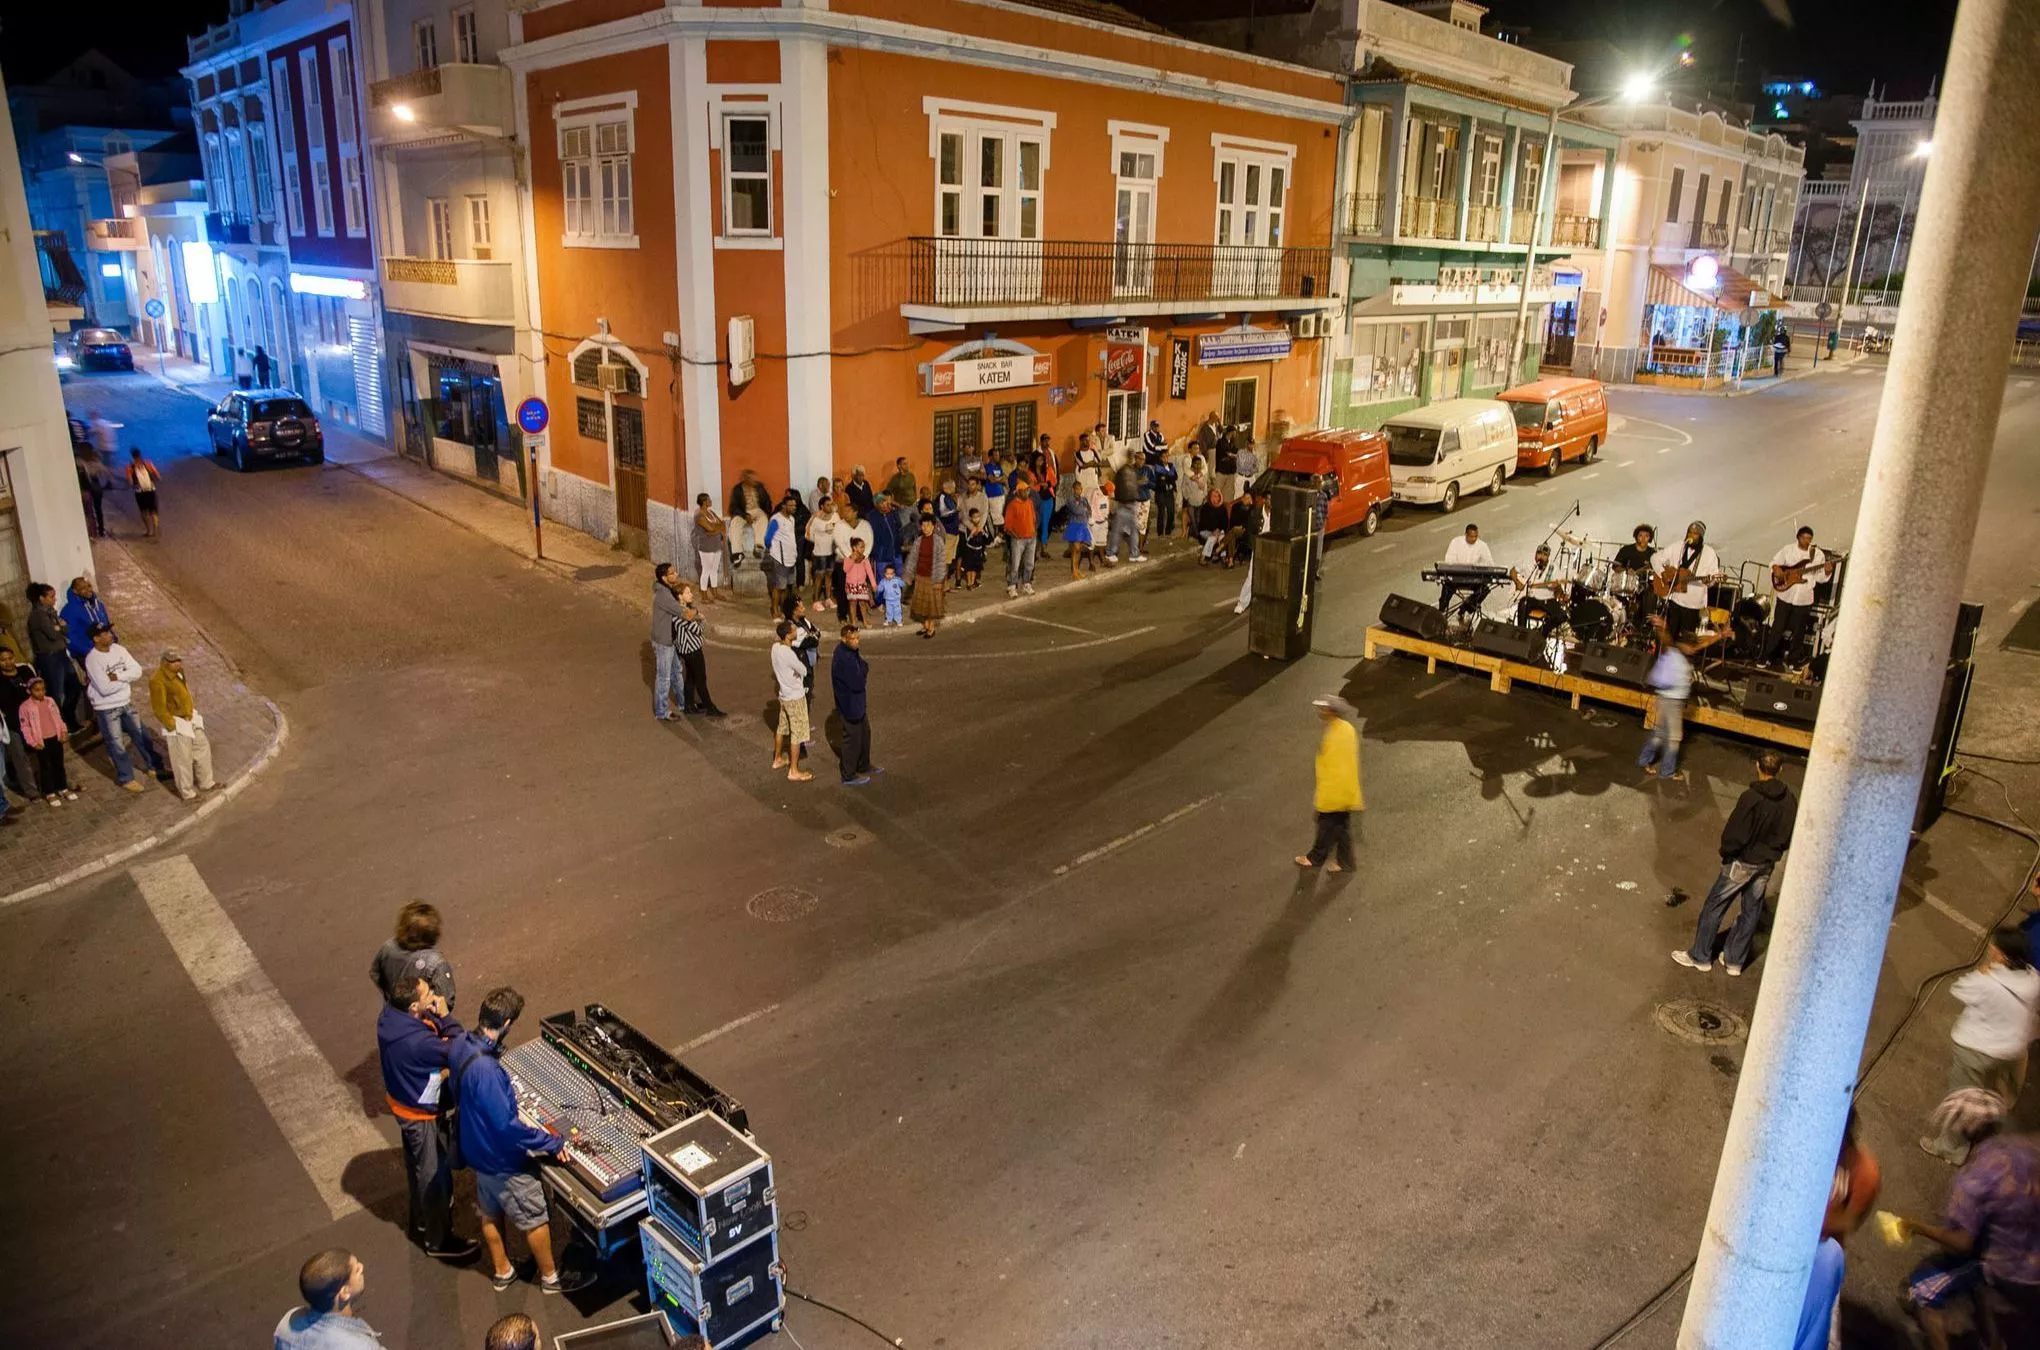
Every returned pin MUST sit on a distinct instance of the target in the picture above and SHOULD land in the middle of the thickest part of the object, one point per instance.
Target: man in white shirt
(1693, 563)
(822, 527)
(1992, 1031)
(789, 672)
(1792, 607)
(1467, 552)
(110, 674)
(1539, 585)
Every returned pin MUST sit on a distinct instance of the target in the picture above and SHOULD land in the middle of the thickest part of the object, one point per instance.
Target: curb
(1769, 382)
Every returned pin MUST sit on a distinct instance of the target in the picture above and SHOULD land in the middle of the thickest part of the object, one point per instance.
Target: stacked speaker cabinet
(1948, 719)
(1284, 598)
(711, 1242)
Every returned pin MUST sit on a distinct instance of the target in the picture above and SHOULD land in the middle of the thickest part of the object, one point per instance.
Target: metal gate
(1560, 334)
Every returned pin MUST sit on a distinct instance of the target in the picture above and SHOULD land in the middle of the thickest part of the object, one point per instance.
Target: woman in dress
(928, 568)
(1077, 533)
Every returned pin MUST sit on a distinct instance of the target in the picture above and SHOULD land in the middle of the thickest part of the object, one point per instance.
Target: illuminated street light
(402, 112)
(1638, 87)
(74, 157)
(1923, 149)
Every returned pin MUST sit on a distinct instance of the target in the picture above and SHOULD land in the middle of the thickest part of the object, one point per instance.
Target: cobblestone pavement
(64, 841)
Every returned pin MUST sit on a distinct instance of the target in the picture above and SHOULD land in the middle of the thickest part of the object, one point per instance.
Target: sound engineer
(413, 1043)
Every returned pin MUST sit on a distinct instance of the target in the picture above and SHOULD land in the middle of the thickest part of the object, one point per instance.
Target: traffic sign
(1823, 310)
(532, 415)
(154, 309)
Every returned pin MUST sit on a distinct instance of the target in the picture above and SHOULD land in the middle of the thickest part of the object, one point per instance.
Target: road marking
(1384, 546)
(1501, 506)
(2023, 384)
(1125, 839)
(1665, 450)
(1672, 433)
(1033, 651)
(1957, 915)
(1045, 623)
(318, 1116)
(705, 1037)
(1585, 476)
(1432, 689)
(1625, 463)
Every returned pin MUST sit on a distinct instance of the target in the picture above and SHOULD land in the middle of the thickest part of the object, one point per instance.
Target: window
(949, 186)
(467, 42)
(1529, 174)
(215, 173)
(438, 227)
(1013, 427)
(988, 182)
(1133, 223)
(955, 431)
(481, 235)
(747, 175)
(286, 140)
(1727, 196)
(353, 202)
(1678, 190)
(591, 419)
(1493, 336)
(1700, 201)
(1488, 180)
(315, 140)
(258, 158)
(595, 168)
(425, 43)
(1252, 192)
(1387, 361)
(235, 181)
(1125, 414)
(1236, 403)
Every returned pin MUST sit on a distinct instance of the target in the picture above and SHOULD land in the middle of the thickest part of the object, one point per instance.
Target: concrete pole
(1545, 188)
(1849, 267)
(1921, 495)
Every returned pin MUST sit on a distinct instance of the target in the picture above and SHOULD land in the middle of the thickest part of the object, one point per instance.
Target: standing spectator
(513, 1332)
(42, 726)
(499, 1144)
(1205, 438)
(1210, 528)
(1817, 1308)
(83, 610)
(792, 736)
(885, 544)
(928, 569)
(824, 491)
(1337, 795)
(1756, 836)
(669, 683)
(1165, 473)
(1225, 458)
(261, 363)
(1991, 1236)
(995, 486)
(710, 545)
(969, 463)
(1109, 451)
(145, 479)
(1261, 525)
(1019, 522)
(860, 580)
(413, 1044)
(807, 643)
(852, 528)
(949, 517)
(412, 953)
(331, 1284)
(691, 642)
(750, 505)
(14, 678)
(848, 671)
(1858, 1181)
(892, 590)
(1195, 487)
(1144, 507)
(1153, 444)
(1077, 532)
(974, 499)
(91, 486)
(8, 740)
(971, 548)
(1125, 527)
(901, 487)
(1671, 681)
(1090, 463)
(860, 493)
(183, 726)
(1991, 1034)
(821, 532)
(1246, 459)
(110, 673)
(1047, 484)
(1781, 347)
(782, 556)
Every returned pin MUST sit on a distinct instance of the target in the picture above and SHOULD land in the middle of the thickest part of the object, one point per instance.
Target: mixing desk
(601, 1129)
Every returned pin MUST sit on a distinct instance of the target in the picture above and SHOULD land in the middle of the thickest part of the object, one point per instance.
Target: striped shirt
(687, 636)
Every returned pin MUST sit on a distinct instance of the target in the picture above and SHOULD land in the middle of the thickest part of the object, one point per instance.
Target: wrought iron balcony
(1704, 235)
(1429, 218)
(224, 228)
(1002, 273)
(1576, 231)
(474, 99)
(471, 290)
(1522, 224)
(113, 234)
(1362, 213)
(1483, 224)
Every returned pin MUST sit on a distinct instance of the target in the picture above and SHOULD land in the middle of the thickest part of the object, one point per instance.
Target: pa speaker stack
(1781, 700)
(1948, 719)
(1619, 665)
(711, 1239)
(1413, 617)
(1508, 641)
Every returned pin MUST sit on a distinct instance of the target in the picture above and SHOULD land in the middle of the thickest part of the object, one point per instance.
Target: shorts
(517, 1196)
(1941, 1280)
(793, 720)
(778, 576)
(145, 501)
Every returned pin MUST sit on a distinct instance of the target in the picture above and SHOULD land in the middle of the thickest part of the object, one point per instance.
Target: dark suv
(252, 424)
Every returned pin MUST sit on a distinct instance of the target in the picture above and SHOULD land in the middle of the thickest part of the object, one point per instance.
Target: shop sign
(1126, 359)
(1235, 345)
(990, 372)
(1179, 368)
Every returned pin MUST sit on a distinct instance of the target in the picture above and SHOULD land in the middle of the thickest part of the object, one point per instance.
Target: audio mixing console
(601, 1129)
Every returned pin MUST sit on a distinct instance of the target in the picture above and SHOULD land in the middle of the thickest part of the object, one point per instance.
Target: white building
(1874, 209)
(157, 236)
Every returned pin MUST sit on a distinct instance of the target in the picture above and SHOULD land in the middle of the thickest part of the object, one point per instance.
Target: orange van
(1557, 420)
(1356, 460)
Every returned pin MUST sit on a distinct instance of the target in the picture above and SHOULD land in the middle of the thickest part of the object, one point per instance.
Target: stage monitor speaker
(1947, 737)
(1510, 642)
(1279, 627)
(1413, 617)
(1777, 700)
(1289, 509)
(1619, 665)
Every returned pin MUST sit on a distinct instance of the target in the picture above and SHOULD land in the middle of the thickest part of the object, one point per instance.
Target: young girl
(42, 726)
(1077, 533)
(890, 589)
(970, 549)
(858, 581)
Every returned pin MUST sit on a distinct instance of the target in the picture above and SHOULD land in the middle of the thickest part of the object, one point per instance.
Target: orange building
(800, 239)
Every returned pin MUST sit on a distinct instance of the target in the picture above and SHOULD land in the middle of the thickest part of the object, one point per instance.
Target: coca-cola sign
(1126, 362)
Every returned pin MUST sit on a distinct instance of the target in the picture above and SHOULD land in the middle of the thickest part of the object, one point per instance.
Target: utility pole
(1849, 267)
(1921, 497)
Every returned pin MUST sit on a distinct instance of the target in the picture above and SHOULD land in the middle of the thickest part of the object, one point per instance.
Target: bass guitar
(1784, 578)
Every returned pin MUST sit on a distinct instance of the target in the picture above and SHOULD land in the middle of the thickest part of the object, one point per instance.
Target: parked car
(100, 347)
(1354, 462)
(1441, 451)
(1557, 420)
(252, 424)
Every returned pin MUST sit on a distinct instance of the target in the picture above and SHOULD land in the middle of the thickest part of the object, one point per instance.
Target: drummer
(1538, 587)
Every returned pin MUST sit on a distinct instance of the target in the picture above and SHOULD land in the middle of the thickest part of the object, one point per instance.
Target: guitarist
(1682, 576)
(1540, 586)
(1793, 571)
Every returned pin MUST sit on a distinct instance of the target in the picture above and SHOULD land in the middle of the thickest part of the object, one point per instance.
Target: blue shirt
(1822, 1289)
(494, 1139)
(847, 672)
(81, 615)
(303, 1329)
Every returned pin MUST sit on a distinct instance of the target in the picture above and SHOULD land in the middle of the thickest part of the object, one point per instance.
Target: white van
(1440, 452)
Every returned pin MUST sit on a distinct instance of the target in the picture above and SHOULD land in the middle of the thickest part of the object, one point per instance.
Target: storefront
(339, 334)
(1417, 341)
(456, 416)
(1704, 325)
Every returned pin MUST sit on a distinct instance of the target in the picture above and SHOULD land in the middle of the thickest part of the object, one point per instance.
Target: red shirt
(1020, 520)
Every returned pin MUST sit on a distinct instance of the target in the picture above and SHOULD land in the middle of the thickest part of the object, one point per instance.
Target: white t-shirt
(1997, 1011)
(1534, 574)
(1694, 596)
(144, 480)
(861, 530)
(1462, 554)
(1791, 556)
(790, 672)
(821, 532)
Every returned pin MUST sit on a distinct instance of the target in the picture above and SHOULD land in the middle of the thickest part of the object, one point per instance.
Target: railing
(1483, 224)
(475, 290)
(1363, 214)
(63, 283)
(224, 228)
(1522, 224)
(112, 234)
(399, 88)
(1576, 231)
(1430, 218)
(1704, 235)
(1822, 189)
(967, 272)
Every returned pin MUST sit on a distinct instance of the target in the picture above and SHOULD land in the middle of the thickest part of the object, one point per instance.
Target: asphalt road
(1064, 1052)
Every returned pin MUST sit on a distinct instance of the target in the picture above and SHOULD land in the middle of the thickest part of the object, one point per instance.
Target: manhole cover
(847, 837)
(781, 904)
(1701, 1023)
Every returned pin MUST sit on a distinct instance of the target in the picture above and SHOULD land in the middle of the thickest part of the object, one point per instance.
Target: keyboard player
(1470, 551)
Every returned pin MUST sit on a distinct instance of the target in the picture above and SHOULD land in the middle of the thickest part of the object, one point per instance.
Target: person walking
(1020, 547)
(1990, 1036)
(191, 766)
(1758, 832)
(42, 726)
(262, 367)
(414, 1044)
(1990, 1236)
(849, 673)
(1338, 787)
(331, 1284)
(1781, 347)
(110, 674)
(690, 640)
(49, 640)
(789, 674)
(1671, 682)
(145, 479)
(669, 681)
(711, 544)
(91, 486)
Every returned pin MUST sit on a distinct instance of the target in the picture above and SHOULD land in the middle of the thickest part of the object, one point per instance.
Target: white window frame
(234, 181)
(580, 126)
(439, 229)
(746, 112)
(1256, 219)
(354, 201)
(315, 142)
(286, 145)
(258, 163)
(1132, 270)
(481, 227)
(1013, 128)
(467, 37)
(425, 44)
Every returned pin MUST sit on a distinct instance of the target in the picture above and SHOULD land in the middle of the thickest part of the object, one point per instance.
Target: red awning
(1733, 291)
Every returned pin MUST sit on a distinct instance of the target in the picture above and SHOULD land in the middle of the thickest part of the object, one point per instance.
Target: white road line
(319, 1117)
(1125, 839)
(1034, 651)
(1045, 623)
(1625, 463)
(1384, 546)
(2023, 384)
(1434, 687)
(1672, 433)
(1585, 476)
(705, 1037)
(1949, 910)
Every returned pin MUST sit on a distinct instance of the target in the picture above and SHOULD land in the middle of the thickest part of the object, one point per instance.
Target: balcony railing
(1522, 224)
(224, 228)
(1430, 218)
(1484, 224)
(997, 272)
(468, 289)
(113, 234)
(1704, 235)
(1363, 213)
(1576, 231)
(403, 88)
(458, 96)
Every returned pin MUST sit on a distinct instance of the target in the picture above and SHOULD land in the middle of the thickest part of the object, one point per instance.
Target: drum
(1713, 620)
(1599, 619)
(1593, 574)
(1624, 583)
(1747, 642)
(1544, 614)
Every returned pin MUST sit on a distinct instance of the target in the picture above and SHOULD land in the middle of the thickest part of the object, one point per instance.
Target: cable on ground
(791, 1292)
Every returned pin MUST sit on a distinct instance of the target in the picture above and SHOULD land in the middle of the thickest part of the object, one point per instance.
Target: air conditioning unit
(743, 349)
(613, 379)
(1307, 326)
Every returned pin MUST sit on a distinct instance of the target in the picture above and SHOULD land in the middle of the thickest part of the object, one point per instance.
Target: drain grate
(1702, 1023)
(781, 904)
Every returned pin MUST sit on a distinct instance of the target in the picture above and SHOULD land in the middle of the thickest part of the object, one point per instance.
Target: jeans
(669, 681)
(1662, 748)
(1334, 831)
(1742, 880)
(856, 753)
(1125, 528)
(20, 766)
(114, 720)
(1165, 510)
(428, 1166)
(1020, 560)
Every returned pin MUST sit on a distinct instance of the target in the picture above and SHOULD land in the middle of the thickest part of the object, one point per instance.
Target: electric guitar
(1784, 578)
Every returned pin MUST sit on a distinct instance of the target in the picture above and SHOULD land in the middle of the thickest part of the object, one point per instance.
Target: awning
(1734, 291)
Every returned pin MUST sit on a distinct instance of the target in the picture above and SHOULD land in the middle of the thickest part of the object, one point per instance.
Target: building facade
(802, 238)
(159, 223)
(1856, 229)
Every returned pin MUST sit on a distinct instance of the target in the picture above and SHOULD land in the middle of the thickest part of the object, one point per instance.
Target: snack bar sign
(990, 372)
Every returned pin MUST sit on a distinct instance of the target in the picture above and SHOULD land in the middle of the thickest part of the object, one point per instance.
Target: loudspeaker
(1279, 627)
(1278, 567)
(1622, 665)
(1948, 718)
(1968, 618)
(1289, 509)
(1414, 617)
(1781, 700)
(1510, 642)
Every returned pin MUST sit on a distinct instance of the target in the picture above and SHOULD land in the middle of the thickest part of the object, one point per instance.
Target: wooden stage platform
(1503, 674)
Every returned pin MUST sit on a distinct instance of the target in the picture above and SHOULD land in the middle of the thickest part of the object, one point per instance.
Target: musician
(1635, 557)
(1686, 570)
(1470, 551)
(1539, 585)
(1794, 569)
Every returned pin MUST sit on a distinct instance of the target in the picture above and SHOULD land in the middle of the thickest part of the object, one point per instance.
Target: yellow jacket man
(1338, 786)
(183, 728)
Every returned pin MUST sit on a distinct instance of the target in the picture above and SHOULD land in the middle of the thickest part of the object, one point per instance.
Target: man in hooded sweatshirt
(1758, 832)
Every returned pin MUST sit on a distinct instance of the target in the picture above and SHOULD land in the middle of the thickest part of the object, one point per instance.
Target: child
(858, 580)
(890, 589)
(1101, 512)
(1077, 533)
(42, 726)
(970, 549)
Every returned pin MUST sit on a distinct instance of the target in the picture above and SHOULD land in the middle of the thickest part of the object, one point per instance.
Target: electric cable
(791, 1292)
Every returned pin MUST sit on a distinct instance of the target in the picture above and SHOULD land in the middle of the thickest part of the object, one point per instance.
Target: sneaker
(458, 1250)
(1012, 592)
(859, 781)
(1733, 971)
(189, 796)
(1685, 959)
(53, 800)
(1140, 557)
(134, 785)
(501, 1282)
(567, 1281)
(1027, 589)
(70, 794)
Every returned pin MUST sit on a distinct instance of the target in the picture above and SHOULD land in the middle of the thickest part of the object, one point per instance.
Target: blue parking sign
(532, 415)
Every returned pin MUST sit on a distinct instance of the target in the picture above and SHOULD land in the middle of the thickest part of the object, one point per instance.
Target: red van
(1356, 460)
(1557, 420)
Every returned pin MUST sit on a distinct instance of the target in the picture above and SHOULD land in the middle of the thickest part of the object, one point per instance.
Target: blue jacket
(847, 672)
(80, 615)
(494, 1139)
(885, 545)
(413, 1051)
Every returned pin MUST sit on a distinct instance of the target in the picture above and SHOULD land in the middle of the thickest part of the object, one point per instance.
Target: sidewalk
(54, 846)
(1797, 367)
